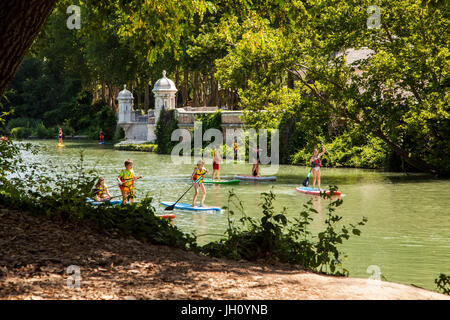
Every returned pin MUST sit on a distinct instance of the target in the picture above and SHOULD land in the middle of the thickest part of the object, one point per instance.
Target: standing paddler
(316, 164)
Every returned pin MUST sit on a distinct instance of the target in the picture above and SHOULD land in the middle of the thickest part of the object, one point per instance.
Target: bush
(275, 238)
(345, 152)
(443, 283)
(164, 128)
(23, 122)
(138, 147)
(21, 132)
(119, 134)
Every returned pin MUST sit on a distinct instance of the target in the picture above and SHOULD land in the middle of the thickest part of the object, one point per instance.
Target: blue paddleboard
(185, 206)
(97, 203)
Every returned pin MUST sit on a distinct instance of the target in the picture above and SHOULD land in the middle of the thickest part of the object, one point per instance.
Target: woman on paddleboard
(255, 167)
(60, 137)
(199, 172)
(316, 164)
(216, 162)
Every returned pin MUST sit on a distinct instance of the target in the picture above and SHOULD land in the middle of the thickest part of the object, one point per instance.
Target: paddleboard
(252, 178)
(315, 192)
(185, 206)
(167, 216)
(209, 181)
(60, 145)
(101, 143)
(97, 203)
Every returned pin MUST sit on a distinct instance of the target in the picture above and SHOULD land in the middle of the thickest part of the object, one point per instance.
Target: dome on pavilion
(164, 85)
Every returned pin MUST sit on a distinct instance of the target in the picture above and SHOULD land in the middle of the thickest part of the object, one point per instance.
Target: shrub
(138, 147)
(23, 122)
(119, 134)
(21, 132)
(443, 283)
(164, 128)
(274, 237)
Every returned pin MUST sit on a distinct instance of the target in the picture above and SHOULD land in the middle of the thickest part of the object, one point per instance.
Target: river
(406, 238)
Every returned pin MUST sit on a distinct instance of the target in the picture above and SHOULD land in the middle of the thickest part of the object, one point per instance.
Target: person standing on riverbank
(126, 182)
(316, 164)
(216, 162)
(199, 172)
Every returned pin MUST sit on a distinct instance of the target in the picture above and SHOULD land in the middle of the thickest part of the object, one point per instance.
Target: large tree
(20, 23)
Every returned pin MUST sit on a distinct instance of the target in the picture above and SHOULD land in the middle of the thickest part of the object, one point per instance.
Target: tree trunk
(20, 23)
(195, 94)
(103, 92)
(185, 87)
(413, 161)
(147, 95)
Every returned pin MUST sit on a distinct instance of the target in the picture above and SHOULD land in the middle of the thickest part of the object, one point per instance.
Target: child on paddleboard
(316, 164)
(101, 190)
(102, 136)
(126, 182)
(216, 162)
(199, 172)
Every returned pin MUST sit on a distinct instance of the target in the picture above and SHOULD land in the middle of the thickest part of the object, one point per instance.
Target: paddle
(306, 181)
(171, 207)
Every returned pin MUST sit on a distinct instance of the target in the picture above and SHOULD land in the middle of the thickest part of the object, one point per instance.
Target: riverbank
(37, 251)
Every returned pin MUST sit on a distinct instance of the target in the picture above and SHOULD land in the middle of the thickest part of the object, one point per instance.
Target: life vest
(199, 173)
(235, 147)
(125, 175)
(317, 162)
(101, 192)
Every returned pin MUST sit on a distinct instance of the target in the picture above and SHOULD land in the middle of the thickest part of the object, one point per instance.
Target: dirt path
(35, 253)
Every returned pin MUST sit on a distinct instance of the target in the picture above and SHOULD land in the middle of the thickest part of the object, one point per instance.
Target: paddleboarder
(102, 136)
(60, 136)
(216, 162)
(199, 172)
(126, 182)
(255, 167)
(316, 164)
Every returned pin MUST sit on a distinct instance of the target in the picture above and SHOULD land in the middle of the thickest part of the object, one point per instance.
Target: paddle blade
(305, 182)
(170, 208)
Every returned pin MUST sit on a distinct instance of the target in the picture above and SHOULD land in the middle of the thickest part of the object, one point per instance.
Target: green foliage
(119, 134)
(21, 132)
(138, 147)
(347, 151)
(210, 121)
(164, 128)
(443, 283)
(275, 238)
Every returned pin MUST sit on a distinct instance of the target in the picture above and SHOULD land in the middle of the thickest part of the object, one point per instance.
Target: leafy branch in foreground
(275, 238)
(443, 283)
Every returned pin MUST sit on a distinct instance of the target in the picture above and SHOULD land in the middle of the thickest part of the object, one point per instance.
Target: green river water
(407, 235)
